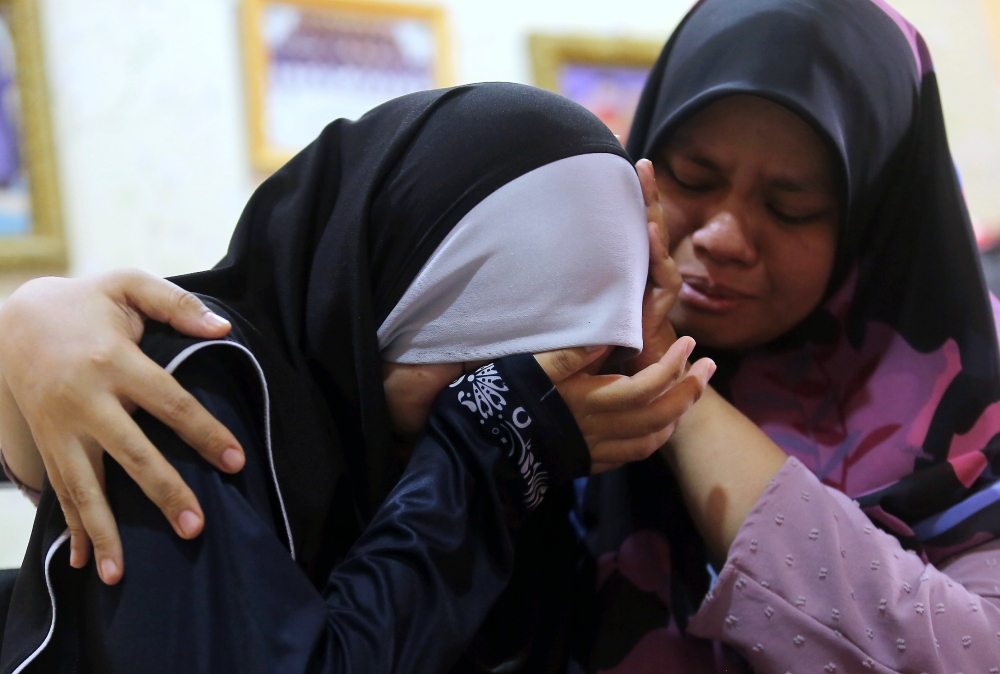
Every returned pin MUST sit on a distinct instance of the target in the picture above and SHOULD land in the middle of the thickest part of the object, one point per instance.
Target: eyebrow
(788, 185)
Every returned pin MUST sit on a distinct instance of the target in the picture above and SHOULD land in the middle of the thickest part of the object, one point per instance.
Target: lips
(701, 293)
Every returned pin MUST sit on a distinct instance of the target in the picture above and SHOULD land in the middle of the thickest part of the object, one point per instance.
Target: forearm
(18, 445)
(441, 549)
(723, 463)
(811, 579)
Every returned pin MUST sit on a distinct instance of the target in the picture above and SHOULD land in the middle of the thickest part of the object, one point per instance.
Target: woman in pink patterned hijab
(829, 266)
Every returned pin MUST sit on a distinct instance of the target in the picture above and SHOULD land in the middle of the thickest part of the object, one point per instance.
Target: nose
(725, 239)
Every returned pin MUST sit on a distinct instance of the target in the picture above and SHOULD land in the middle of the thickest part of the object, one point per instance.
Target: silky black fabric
(408, 598)
(327, 246)
(847, 68)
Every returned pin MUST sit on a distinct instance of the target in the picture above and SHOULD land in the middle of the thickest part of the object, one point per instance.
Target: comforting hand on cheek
(751, 204)
(622, 418)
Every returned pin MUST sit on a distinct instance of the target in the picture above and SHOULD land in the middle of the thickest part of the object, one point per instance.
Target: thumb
(563, 363)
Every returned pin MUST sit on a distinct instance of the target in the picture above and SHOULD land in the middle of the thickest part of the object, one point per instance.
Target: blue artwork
(610, 92)
(15, 195)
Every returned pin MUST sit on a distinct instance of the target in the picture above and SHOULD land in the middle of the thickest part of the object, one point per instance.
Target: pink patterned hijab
(889, 390)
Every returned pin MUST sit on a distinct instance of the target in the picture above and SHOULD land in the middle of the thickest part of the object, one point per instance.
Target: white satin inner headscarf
(555, 258)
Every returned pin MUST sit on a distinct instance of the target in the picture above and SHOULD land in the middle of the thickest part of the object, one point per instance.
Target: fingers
(79, 542)
(703, 370)
(563, 363)
(157, 392)
(634, 435)
(632, 393)
(88, 515)
(663, 272)
(120, 437)
(647, 181)
(617, 452)
(163, 301)
(651, 197)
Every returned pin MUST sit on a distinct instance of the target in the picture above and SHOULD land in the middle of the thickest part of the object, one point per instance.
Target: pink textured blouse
(812, 585)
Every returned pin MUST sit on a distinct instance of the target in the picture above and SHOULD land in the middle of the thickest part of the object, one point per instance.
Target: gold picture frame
(43, 245)
(418, 32)
(993, 14)
(604, 75)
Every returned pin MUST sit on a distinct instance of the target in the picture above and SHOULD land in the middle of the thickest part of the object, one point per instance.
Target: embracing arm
(21, 458)
(71, 372)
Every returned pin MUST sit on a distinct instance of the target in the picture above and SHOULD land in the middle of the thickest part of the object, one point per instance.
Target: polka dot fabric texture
(812, 585)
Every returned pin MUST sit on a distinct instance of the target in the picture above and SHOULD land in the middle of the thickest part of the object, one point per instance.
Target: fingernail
(711, 369)
(689, 349)
(592, 348)
(215, 320)
(75, 558)
(232, 459)
(108, 569)
(188, 523)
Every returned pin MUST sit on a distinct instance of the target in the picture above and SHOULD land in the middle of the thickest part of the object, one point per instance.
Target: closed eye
(689, 186)
(789, 219)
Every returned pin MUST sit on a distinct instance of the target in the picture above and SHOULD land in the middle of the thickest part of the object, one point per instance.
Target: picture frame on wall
(992, 8)
(604, 75)
(309, 62)
(31, 228)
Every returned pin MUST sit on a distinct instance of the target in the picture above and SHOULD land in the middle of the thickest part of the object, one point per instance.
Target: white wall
(148, 112)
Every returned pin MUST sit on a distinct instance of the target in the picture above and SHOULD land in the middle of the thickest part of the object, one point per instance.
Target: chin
(725, 333)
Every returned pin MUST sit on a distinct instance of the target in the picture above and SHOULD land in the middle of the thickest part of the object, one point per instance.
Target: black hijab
(325, 249)
(863, 79)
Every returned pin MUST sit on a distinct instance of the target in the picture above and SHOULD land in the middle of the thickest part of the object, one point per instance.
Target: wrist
(20, 454)
(693, 423)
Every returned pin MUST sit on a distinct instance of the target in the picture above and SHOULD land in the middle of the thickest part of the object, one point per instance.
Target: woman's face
(750, 201)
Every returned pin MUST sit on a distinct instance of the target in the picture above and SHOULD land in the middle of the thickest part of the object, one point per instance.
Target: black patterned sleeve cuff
(519, 411)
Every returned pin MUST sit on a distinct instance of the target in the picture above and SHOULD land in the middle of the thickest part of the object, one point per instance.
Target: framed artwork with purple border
(31, 232)
(309, 62)
(604, 75)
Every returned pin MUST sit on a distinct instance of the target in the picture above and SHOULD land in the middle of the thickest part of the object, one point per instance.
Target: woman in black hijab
(323, 554)
(828, 264)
